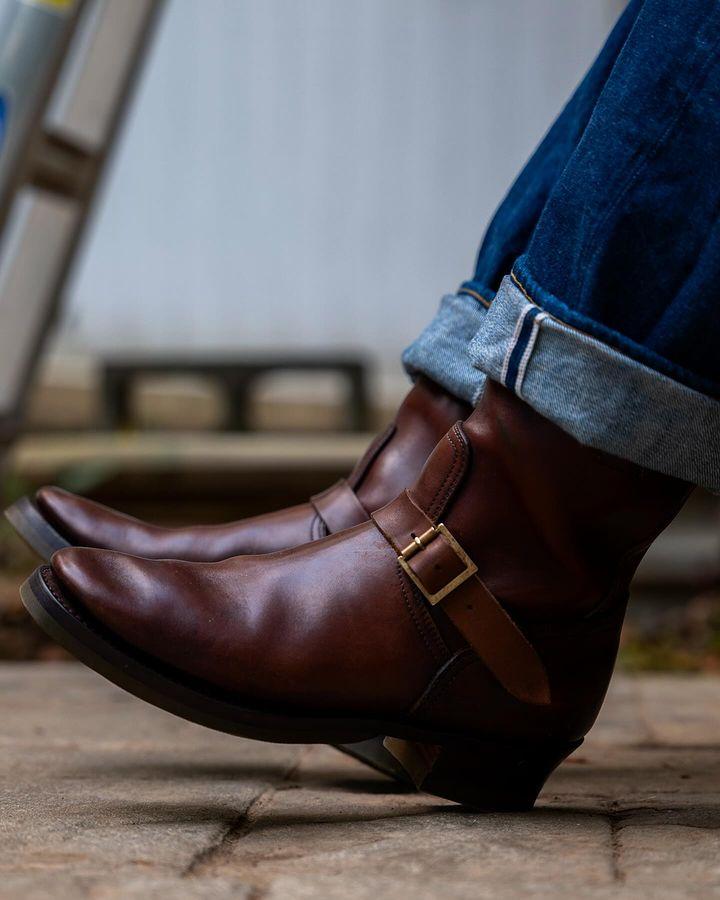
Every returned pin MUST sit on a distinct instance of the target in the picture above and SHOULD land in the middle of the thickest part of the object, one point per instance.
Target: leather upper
(522, 647)
(391, 463)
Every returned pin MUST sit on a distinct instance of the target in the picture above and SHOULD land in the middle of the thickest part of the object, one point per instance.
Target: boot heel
(487, 776)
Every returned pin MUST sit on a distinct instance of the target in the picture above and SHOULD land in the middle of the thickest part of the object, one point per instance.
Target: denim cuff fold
(441, 351)
(595, 393)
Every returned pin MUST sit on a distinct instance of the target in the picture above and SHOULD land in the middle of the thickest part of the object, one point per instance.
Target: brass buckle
(420, 543)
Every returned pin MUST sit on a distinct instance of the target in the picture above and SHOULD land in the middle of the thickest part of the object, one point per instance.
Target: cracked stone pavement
(102, 796)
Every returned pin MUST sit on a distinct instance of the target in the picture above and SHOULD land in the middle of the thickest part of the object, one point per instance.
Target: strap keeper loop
(418, 545)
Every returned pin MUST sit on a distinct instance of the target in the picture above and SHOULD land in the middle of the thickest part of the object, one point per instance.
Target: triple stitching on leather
(423, 621)
(432, 510)
(466, 600)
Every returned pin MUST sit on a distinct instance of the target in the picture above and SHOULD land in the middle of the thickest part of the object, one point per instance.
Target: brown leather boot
(474, 620)
(56, 518)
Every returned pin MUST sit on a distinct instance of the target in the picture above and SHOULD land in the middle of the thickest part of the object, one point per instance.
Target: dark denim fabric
(615, 218)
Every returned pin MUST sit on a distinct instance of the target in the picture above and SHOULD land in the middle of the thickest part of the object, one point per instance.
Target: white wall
(315, 173)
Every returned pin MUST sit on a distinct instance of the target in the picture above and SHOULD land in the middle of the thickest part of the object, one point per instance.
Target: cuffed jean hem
(595, 393)
(441, 351)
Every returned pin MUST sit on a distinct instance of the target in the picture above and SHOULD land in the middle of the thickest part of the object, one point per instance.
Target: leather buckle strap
(419, 543)
(339, 507)
(441, 570)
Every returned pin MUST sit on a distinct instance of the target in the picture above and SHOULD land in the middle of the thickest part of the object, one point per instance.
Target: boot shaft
(556, 528)
(395, 457)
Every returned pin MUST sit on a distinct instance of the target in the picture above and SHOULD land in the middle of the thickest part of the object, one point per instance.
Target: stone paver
(102, 796)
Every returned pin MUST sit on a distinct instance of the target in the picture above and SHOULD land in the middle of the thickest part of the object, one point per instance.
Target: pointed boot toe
(55, 518)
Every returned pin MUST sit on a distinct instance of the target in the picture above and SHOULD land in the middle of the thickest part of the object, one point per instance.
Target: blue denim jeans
(594, 293)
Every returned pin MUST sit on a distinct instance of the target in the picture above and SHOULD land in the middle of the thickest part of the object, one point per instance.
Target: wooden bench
(237, 378)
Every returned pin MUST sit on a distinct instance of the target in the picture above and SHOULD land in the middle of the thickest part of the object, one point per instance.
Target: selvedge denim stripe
(520, 348)
(595, 393)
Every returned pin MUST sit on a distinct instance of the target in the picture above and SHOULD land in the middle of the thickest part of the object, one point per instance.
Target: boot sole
(29, 522)
(485, 774)
(34, 529)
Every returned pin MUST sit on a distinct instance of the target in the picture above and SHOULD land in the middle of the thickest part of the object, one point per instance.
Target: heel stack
(492, 777)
